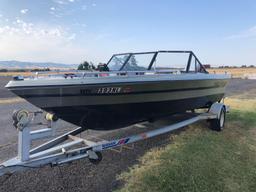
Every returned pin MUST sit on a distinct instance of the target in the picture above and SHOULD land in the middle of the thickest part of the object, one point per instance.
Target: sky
(220, 32)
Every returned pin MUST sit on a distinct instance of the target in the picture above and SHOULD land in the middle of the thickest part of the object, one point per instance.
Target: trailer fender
(216, 109)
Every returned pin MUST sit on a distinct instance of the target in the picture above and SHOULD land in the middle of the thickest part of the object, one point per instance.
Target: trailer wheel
(219, 123)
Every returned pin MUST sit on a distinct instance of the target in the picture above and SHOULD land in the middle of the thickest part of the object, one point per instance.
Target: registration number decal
(102, 91)
(107, 90)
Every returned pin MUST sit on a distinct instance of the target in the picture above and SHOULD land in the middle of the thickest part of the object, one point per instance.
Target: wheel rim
(222, 119)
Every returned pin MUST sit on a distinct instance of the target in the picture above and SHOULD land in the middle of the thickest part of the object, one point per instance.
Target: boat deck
(76, 74)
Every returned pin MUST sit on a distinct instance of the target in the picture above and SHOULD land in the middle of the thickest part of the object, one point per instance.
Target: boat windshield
(117, 62)
(182, 61)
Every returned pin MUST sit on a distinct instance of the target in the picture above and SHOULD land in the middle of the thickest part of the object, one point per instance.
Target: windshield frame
(155, 53)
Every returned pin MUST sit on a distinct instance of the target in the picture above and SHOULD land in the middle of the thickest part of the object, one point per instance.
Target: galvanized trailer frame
(55, 152)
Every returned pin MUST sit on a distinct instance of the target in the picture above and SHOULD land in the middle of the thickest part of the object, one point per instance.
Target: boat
(130, 88)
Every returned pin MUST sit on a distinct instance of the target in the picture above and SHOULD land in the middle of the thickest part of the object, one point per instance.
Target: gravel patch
(4, 93)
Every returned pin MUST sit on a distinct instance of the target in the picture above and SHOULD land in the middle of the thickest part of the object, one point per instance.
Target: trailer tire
(219, 123)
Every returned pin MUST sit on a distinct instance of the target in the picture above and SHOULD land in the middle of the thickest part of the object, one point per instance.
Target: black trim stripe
(116, 94)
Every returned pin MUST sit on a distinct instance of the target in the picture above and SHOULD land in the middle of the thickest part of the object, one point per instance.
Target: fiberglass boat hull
(114, 105)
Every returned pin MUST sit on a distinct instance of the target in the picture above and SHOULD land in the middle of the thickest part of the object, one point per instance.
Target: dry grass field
(16, 73)
(235, 72)
(11, 100)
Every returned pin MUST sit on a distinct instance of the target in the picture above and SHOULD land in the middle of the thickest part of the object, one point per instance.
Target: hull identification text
(107, 90)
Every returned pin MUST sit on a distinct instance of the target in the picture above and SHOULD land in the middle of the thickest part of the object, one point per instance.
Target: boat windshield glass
(138, 62)
(117, 61)
(171, 61)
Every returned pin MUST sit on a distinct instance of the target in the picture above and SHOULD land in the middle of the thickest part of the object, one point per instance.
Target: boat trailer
(68, 147)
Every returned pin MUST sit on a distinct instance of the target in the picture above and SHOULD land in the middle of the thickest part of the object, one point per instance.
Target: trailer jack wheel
(95, 157)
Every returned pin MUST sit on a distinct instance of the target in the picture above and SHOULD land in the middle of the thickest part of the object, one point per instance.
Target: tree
(86, 66)
(92, 66)
(3, 70)
(132, 64)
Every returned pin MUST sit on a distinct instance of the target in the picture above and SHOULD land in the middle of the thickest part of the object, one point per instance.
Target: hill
(23, 64)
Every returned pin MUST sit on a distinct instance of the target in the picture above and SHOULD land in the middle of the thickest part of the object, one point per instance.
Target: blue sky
(220, 32)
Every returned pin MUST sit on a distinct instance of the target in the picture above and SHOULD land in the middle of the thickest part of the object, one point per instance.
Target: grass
(201, 160)
(241, 104)
(16, 73)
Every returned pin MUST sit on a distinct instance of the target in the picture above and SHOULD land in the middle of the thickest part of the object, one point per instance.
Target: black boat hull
(112, 104)
(107, 117)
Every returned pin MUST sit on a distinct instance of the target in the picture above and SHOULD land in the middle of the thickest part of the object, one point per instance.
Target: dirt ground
(82, 175)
